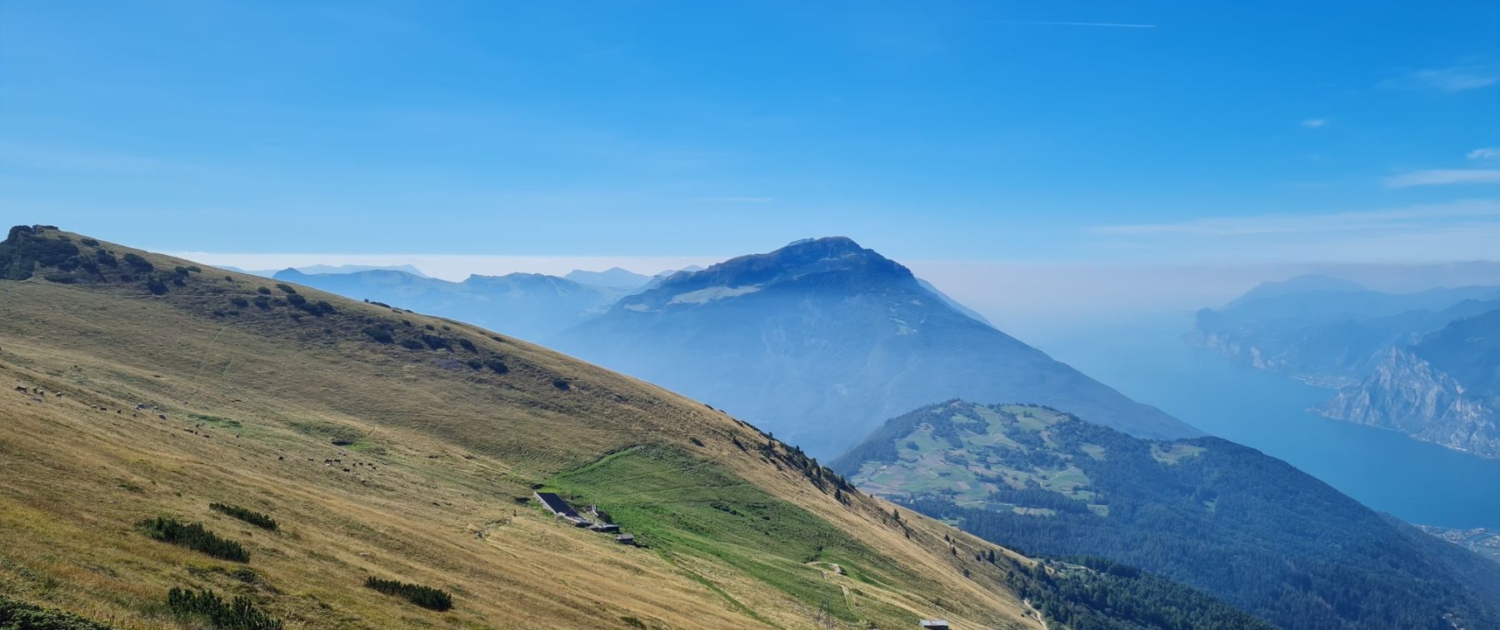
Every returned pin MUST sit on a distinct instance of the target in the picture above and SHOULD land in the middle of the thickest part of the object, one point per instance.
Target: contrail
(1098, 24)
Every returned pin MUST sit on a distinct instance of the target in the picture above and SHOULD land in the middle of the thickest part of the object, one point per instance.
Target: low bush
(467, 345)
(435, 342)
(90, 242)
(424, 596)
(25, 248)
(156, 286)
(140, 265)
(262, 290)
(286, 288)
(22, 616)
(262, 302)
(254, 518)
(240, 302)
(412, 344)
(195, 537)
(496, 365)
(379, 334)
(107, 259)
(240, 614)
(475, 364)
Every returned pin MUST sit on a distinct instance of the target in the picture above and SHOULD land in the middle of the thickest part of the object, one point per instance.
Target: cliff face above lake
(1425, 364)
(1408, 394)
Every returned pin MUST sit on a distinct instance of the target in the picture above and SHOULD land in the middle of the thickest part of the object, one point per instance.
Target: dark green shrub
(435, 342)
(90, 242)
(262, 302)
(180, 270)
(195, 268)
(424, 596)
(262, 290)
(156, 286)
(195, 537)
(107, 259)
(379, 334)
(240, 614)
(296, 300)
(25, 249)
(60, 278)
(475, 364)
(412, 344)
(561, 384)
(496, 365)
(240, 302)
(287, 288)
(140, 265)
(16, 615)
(254, 518)
(467, 345)
(324, 307)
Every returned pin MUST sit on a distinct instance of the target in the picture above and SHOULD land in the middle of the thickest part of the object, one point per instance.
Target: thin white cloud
(1283, 224)
(1444, 177)
(1487, 153)
(1314, 123)
(1451, 79)
(733, 200)
(1089, 24)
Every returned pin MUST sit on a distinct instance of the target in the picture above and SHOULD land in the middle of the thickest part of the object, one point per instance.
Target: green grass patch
(679, 504)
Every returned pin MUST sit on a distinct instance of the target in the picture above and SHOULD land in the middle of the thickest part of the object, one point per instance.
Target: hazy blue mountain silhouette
(526, 305)
(821, 340)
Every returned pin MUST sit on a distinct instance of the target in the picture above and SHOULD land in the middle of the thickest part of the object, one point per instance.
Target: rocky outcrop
(1408, 394)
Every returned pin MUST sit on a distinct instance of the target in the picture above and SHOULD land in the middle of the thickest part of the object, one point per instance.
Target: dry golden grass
(442, 453)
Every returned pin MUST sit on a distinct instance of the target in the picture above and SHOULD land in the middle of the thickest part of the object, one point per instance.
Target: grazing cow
(162, 416)
(21, 388)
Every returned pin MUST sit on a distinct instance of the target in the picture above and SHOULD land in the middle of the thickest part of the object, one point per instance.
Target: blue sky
(1043, 132)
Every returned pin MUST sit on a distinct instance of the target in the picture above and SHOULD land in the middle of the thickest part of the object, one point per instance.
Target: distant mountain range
(526, 305)
(1426, 364)
(613, 278)
(1210, 513)
(322, 269)
(819, 340)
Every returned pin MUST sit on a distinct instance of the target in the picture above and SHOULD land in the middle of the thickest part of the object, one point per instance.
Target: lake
(1419, 482)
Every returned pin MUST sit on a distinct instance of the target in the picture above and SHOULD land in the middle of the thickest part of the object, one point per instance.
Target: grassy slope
(251, 402)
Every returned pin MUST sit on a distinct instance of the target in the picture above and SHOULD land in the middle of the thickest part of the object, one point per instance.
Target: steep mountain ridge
(1444, 389)
(819, 339)
(399, 446)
